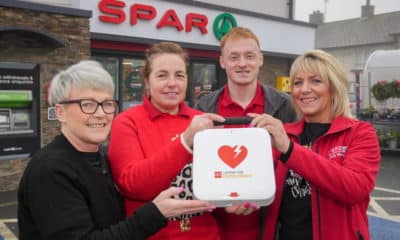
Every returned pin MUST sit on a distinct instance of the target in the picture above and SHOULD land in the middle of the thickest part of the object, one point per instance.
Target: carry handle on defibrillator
(234, 120)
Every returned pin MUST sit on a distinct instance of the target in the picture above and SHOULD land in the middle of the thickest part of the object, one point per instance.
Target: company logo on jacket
(337, 151)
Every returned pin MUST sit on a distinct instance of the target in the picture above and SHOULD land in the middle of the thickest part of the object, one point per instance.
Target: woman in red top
(150, 144)
(326, 163)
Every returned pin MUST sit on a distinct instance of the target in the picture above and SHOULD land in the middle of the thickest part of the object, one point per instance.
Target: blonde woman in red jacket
(326, 163)
(150, 144)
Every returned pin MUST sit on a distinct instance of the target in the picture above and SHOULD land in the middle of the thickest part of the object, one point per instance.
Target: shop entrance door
(203, 79)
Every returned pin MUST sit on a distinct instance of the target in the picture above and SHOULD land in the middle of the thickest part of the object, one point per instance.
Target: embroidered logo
(175, 137)
(337, 151)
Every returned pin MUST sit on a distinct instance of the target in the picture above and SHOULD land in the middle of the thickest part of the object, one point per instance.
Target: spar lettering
(113, 11)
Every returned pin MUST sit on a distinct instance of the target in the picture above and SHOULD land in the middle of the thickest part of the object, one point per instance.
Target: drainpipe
(290, 9)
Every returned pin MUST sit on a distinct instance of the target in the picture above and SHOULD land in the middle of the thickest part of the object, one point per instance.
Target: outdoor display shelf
(382, 75)
(388, 134)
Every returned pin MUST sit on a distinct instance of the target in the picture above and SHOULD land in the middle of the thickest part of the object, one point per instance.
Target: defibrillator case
(232, 166)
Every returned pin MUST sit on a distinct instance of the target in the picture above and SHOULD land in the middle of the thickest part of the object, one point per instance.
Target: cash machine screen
(4, 120)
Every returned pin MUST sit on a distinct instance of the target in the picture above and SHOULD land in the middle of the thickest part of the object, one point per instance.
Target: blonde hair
(321, 63)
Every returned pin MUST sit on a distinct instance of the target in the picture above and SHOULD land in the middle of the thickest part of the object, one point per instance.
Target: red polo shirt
(229, 108)
(239, 227)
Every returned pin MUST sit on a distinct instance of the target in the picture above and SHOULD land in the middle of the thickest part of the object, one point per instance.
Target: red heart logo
(232, 156)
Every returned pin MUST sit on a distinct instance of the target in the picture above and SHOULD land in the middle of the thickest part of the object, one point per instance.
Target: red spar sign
(113, 11)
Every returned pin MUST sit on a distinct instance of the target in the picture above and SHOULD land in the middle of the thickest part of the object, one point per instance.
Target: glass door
(132, 84)
(111, 65)
(203, 79)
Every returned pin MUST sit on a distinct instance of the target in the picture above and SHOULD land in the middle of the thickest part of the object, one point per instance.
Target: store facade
(38, 40)
(122, 30)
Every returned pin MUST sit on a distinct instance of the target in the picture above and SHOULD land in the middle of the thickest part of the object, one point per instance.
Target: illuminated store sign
(113, 11)
(183, 22)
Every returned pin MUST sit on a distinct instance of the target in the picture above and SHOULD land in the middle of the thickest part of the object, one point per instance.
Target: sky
(341, 9)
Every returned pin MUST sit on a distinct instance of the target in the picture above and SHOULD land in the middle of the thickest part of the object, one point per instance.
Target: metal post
(357, 88)
(369, 89)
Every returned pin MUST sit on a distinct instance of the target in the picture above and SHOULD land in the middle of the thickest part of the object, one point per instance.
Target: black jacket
(277, 103)
(67, 194)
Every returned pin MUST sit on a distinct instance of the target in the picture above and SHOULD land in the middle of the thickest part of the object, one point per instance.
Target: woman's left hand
(280, 139)
(172, 207)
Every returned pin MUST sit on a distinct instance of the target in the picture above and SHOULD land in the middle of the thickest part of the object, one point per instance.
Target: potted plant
(382, 138)
(392, 141)
(386, 114)
(381, 90)
(368, 113)
(396, 88)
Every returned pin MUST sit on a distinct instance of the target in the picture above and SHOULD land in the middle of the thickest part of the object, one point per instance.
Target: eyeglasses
(90, 106)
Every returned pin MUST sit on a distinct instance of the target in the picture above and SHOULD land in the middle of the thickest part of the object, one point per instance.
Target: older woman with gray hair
(67, 191)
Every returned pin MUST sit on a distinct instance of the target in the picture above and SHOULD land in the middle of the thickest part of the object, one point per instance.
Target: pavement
(383, 211)
(384, 207)
(8, 215)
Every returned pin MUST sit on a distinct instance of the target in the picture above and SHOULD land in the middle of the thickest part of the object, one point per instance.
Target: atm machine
(19, 110)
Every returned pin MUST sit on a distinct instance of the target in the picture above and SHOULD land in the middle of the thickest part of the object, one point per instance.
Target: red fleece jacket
(342, 168)
(146, 155)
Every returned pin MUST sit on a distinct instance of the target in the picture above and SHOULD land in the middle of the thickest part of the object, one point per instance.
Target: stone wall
(72, 30)
(10, 173)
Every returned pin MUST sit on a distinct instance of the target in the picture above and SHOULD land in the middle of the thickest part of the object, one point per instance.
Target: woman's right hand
(274, 126)
(171, 207)
(198, 123)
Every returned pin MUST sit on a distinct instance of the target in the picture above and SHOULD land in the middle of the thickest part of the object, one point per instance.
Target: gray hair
(87, 74)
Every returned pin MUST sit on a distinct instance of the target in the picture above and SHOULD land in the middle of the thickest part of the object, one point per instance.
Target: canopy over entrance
(383, 60)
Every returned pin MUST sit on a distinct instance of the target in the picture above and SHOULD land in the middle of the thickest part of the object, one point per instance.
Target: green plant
(381, 90)
(395, 88)
(370, 109)
(392, 140)
(368, 113)
(391, 88)
(382, 137)
(386, 113)
(395, 134)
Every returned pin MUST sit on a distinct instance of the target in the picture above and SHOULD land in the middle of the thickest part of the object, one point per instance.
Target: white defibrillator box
(232, 166)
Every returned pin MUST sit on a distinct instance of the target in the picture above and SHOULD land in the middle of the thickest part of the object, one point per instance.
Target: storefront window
(203, 79)
(111, 65)
(132, 85)
(129, 86)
